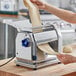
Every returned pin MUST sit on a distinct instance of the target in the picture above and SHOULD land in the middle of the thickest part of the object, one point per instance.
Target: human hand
(39, 3)
(66, 59)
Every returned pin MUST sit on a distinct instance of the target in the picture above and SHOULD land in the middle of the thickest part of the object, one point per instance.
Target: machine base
(37, 65)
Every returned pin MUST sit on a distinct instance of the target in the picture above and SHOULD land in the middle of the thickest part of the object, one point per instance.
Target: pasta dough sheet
(35, 19)
(47, 49)
(34, 14)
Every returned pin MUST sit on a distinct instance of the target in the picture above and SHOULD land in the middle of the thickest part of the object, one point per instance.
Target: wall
(21, 5)
(64, 3)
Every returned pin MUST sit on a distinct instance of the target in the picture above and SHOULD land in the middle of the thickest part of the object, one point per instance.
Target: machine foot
(17, 65)
(59, 62)
(34, 68)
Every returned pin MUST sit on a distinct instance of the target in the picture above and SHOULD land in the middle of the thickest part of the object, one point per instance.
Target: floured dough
(34, 14)
(35, 19)
(47, 49)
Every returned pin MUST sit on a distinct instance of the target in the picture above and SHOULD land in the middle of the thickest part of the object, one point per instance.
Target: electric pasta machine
(27, 52)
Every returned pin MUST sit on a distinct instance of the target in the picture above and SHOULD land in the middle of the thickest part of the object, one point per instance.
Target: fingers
(36, 1)
(60, 55)
(39, 3)
(65, 58)
(33, 1)
(62, 58)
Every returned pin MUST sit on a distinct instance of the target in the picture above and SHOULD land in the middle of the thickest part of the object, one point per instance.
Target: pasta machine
(27, 52)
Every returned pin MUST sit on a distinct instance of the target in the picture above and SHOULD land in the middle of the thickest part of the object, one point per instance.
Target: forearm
(61, 13)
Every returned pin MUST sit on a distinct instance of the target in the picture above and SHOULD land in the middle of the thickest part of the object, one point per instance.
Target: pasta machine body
(27, 52)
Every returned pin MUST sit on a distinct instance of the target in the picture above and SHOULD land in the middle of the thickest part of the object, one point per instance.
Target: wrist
(45, 6)
(48, 7)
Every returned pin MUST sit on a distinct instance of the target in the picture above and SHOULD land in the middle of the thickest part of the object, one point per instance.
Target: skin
(66, 59)
(63, 14)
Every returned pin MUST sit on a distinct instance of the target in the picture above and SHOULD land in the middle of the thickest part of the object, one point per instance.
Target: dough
(34, 15)
(35, 20)
(67, 49)
(47, 49)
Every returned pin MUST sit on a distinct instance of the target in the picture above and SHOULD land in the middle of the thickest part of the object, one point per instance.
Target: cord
(7, 62)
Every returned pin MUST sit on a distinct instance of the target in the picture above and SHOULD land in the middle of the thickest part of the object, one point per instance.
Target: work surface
(54, 70)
